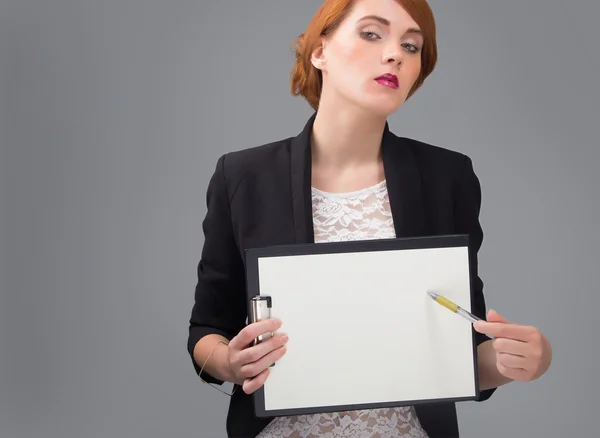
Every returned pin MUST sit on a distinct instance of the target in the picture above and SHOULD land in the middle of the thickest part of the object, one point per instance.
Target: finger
(251, 385)
(502, 330)
(254, 353)
(510, 346)
(518, 374)
(255, 368)
(251, 331)
(494, 316)
(512, 361)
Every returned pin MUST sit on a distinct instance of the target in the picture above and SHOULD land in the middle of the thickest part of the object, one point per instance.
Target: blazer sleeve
(219, 299)
(467, 209)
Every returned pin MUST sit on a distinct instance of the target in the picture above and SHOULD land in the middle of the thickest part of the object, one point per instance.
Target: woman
(356, 64)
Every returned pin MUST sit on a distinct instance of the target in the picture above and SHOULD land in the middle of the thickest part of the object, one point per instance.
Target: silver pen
(453, 307)
(260, 310)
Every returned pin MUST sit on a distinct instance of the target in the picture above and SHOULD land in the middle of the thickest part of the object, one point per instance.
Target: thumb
(494, 316)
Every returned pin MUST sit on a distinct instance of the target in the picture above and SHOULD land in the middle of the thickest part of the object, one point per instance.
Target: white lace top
(359, 215)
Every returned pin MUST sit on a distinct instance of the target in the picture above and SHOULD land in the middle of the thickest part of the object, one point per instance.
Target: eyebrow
(386, 22)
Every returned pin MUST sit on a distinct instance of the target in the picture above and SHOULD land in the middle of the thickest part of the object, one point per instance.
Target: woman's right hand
(249, 364)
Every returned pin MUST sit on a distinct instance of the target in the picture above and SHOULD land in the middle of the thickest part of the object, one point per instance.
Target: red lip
(388, 80)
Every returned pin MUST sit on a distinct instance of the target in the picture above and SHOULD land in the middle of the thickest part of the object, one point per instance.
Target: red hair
(306, 79)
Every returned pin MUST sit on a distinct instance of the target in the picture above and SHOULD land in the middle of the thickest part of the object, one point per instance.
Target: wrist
(223, 359)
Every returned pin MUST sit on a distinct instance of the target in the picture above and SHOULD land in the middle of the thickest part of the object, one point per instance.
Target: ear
(318, 58)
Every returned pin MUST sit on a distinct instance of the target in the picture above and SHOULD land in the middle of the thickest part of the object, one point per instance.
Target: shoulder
(256, 156)
(254, 163)
(437, 161)
(429, 154)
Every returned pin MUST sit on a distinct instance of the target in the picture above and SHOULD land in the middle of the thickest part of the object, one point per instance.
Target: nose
(394, 55)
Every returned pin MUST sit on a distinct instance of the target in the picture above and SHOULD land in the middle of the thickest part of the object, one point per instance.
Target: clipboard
(363, 333)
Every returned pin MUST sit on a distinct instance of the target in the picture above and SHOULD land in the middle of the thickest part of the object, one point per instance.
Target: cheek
(411, 71)
(416, 67)
(354, 59)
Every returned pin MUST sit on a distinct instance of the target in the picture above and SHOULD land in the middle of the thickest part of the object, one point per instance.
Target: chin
(382, 103)
(382, 107)
(375, 103)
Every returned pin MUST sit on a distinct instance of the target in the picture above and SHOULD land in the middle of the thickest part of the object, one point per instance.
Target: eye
(411, 47)
(369, 35)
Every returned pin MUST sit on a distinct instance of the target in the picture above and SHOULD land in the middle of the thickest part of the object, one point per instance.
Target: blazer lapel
(404, 186)
(301, 183)
(401, 173)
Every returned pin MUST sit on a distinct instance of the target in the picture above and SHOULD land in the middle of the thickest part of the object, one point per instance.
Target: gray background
(113, 114)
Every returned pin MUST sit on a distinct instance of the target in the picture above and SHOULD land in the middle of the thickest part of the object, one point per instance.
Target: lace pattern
(376, 423)
(359, 215)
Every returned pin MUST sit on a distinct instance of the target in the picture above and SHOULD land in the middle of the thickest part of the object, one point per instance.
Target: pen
(453, 307)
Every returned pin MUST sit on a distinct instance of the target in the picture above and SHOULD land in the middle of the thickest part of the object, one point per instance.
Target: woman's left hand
(522, 352)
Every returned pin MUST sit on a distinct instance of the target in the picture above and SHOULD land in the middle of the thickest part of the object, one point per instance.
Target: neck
(346, 138)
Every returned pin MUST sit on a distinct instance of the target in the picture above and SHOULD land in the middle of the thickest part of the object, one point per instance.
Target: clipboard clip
(260, 310)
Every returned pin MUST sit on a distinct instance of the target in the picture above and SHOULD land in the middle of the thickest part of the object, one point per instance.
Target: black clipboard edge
(261, 412)
(401, 243)
(252, 256)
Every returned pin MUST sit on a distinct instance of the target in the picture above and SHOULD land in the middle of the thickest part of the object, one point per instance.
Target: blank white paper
(362, 328)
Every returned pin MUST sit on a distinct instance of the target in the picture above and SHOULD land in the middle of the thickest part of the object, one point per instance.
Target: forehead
(390, 10)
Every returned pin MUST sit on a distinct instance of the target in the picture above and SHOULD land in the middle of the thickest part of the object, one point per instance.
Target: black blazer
(261, 196)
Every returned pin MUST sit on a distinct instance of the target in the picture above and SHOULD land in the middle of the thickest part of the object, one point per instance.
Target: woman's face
(373, 58)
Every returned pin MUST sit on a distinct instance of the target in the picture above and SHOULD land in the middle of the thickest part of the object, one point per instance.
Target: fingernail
(284, 338)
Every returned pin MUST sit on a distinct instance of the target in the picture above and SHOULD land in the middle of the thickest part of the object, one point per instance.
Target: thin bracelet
(206, 361)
